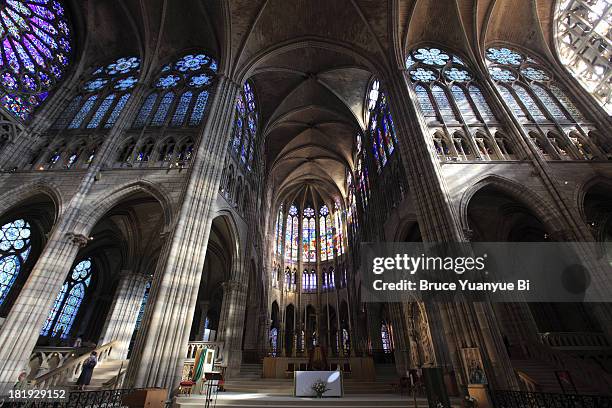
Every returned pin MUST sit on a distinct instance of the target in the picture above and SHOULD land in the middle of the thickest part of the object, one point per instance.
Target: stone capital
(79, 240)
(233, 286)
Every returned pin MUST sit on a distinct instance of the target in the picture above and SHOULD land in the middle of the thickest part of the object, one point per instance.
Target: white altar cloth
(303, 381)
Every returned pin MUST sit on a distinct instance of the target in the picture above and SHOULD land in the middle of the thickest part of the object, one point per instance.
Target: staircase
(250, 371)
(104, 373)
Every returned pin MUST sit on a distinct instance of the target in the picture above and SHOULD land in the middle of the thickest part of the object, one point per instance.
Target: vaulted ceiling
(310, 60)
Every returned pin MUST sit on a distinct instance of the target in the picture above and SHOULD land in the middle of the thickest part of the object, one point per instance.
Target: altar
(304, 380)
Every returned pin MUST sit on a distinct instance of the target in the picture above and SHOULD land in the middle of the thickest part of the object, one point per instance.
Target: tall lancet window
(381, 130)
(363, 179)
(584, 42)
(15, 247)
(36, 51)
(244, 137)
(68, 301)
(453, 103)
(102, 96)
(292, 235)
(278, 240)
(180, 94)
(309, 238)
(539, 102)
(339, 227)
(326, 234)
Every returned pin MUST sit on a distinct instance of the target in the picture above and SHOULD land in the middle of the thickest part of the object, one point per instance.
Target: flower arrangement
(319, 387)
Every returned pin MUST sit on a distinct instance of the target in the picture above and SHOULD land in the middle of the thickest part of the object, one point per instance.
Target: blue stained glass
(502, 75)
(68, 114)
(101, 112)
(550, 104)
(481, 103)
(15, 247)
(511, 101)
(198, 110)
(462, 102)
(192, 62)
(112, 119)
(423, 75)
(162, 110)
(68, 301)
(80, 117)
(431, 56)
(199, 81)
(181, 110)
(95, 85)
(504, 56)
(443, 104)
(126, 83)
(457, 75)
(529, 102)
(123, 66)
(424, 101)
(566, 102)
(167, 82)
(54, 310)
(535, 74)
(145, 111)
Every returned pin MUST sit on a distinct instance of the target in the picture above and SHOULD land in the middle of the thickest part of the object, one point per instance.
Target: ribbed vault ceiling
(310, 60)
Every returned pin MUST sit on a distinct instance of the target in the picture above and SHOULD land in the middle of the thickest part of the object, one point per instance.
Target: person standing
(87, 371)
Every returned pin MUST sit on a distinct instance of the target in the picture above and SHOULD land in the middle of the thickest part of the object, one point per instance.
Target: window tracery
(15, 247)
(383, 137)
(533, 95)
(583, 38)
(36, 51)
(449, 93)
(102, 96)
(68, 301)
(181, 94)
(245, 126)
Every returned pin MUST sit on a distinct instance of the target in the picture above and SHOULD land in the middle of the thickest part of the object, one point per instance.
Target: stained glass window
(446, 75)
(68, 114)
(181, 110)
(85, 109)
(424, 101)
(380, 126)
(101, 112)
(536, 85)
(339, 237)
(105, 89)
(309, 244)
(481, 104)
(199, 108)
(162, 110)
(245, 126)
(37, 43)
(141, 310)
(68, 301)
(386, 337)
(112, 119)
(145, 111)
(274, 342)
(15, 247)
(326, 232)
(292, 235)
(191, 77)
(584, 30)
(278, 247)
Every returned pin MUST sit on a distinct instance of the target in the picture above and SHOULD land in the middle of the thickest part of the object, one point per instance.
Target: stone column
(453, 325)
(231, 324)
(121, 321)
(22, 326)
(204, 305)
(161, 344)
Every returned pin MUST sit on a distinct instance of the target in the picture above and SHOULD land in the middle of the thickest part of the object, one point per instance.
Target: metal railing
(577, 340)
(527, 399)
